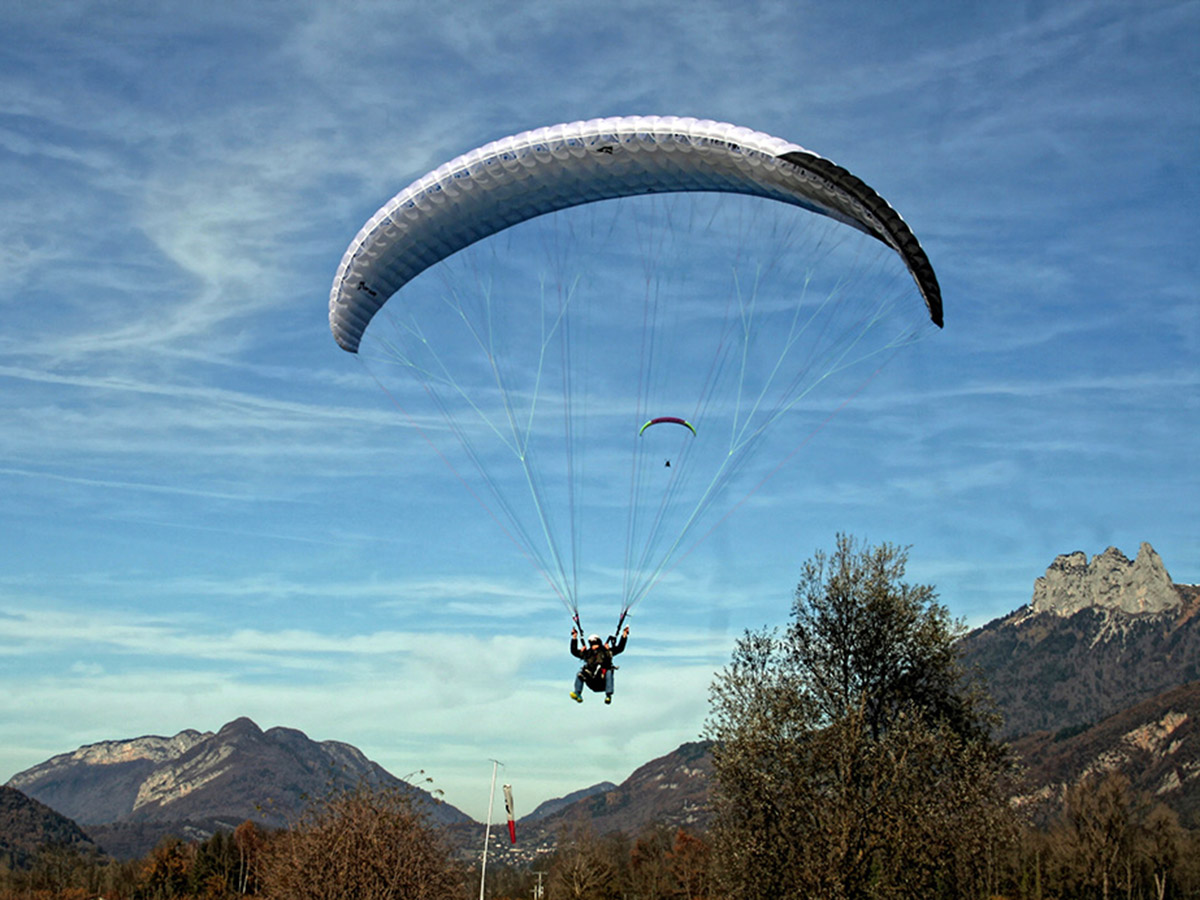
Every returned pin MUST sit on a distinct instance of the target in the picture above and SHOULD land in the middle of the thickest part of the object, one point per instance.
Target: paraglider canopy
(537, 172)
(673, 420)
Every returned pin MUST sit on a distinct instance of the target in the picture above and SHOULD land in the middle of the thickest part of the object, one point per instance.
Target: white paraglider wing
(529, 174)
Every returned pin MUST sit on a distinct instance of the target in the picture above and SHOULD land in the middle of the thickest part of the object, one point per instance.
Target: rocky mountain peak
(1109, 581)
(240, 727)
(149, 749)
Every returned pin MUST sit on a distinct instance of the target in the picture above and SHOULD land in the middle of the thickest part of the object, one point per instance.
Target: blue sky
(209, 510)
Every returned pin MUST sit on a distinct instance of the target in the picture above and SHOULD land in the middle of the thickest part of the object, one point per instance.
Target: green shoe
(608, 698)
(576, 697)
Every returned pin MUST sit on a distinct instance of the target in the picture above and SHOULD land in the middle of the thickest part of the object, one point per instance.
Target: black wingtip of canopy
(899, 235)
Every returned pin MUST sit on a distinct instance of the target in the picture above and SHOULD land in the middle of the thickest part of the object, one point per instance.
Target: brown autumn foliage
(1106, 841)
(365, 843)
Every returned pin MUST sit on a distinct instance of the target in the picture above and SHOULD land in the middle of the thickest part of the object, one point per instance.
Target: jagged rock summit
(1109, 581)
(1097, 638)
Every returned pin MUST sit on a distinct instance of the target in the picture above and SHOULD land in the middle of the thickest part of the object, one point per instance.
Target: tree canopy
(853, 757)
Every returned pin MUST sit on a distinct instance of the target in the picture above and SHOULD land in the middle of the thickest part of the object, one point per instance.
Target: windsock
(508, 808)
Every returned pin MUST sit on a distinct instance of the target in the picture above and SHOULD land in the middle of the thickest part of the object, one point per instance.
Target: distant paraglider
(674, 420)
(559, 282)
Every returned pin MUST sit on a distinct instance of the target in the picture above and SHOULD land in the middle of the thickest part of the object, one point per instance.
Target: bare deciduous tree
(367, 843)
(581, 869)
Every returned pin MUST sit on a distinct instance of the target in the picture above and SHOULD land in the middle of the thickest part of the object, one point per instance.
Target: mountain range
(128, 793)
(1099, 671)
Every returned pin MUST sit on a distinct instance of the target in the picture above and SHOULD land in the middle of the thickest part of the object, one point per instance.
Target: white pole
(487, 832)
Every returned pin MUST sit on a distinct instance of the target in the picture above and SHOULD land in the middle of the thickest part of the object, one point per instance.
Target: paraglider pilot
(598, 668)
